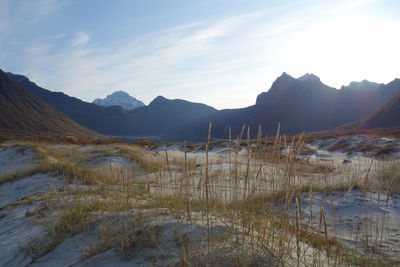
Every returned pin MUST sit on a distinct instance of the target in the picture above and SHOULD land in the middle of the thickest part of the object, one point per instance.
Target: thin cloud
(171, 63)
(80, 38)
(136, 64)
(17, 14)
(224, 63)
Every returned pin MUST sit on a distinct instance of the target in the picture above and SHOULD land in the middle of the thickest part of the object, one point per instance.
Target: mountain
(158, 118)
(308, 76)
(119, 98)
(299, 105)
(164, 115)
(387, 116)
(363, 85)
(23, 114)
(106, 120)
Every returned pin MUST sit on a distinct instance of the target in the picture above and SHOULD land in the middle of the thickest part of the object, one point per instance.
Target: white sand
(28, 186)
(16, 231)
(16, 158)
(352, 217)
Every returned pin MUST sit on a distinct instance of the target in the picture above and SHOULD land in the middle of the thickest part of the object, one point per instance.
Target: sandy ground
(363, 220)
(16, 158)
(102, 161)
(319, 149)
(28, 186)
(351, 214)
(22, 223)
(18, 225)
(166, 249)
(16, 231)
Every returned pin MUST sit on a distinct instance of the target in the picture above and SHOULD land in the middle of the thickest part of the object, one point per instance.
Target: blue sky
(222, 53)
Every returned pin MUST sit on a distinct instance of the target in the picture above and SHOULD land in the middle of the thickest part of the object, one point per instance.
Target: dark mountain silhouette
(387, 116)
(160, 117)
(363, 85)
(23, 113)
(106, 120)
(163, 115)
(299, 105)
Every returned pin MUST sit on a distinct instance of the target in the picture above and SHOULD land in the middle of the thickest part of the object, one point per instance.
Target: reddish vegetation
(24, 116)
(338, 146)
(366, 147)
(144, 142)
(385, 151)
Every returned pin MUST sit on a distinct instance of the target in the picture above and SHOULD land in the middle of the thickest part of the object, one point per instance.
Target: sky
(222, 53)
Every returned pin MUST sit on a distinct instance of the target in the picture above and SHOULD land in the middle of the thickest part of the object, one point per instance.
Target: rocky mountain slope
(106, 120)
(385, 119)
(21, 113)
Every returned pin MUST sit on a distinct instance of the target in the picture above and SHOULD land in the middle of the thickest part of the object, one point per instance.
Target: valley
(138, 194)
(276, 201)
(199, 133)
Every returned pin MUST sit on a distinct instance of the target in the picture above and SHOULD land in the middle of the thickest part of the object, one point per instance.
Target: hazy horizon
(213, 52)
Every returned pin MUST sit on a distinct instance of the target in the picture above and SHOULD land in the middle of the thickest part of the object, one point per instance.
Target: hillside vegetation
(23, 114)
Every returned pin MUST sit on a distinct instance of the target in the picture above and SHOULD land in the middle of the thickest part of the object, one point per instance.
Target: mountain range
(119, 98)
(22, 114)
(158, 118)
(299, 105)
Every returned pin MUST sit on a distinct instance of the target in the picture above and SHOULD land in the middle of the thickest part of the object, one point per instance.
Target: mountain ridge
(386, 116)
(305, 105)
(363, 85)
(155, 119)
(24, 114)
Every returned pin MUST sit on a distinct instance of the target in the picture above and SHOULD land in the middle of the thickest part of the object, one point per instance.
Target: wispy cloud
(224, 63)
(17, 14)
(162, 63)
(80, 38)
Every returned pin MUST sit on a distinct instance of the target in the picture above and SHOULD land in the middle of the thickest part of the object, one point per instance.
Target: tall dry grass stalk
(206, 184)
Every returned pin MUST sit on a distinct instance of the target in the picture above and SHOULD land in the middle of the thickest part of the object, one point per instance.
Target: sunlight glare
(347, 49)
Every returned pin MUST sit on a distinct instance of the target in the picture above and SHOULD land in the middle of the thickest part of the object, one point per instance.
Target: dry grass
(254, 193)
(389, 178)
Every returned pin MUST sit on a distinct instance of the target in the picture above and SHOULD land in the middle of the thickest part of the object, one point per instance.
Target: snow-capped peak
(119, 98)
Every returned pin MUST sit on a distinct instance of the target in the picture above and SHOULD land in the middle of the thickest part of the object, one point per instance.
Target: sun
(347, 49)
